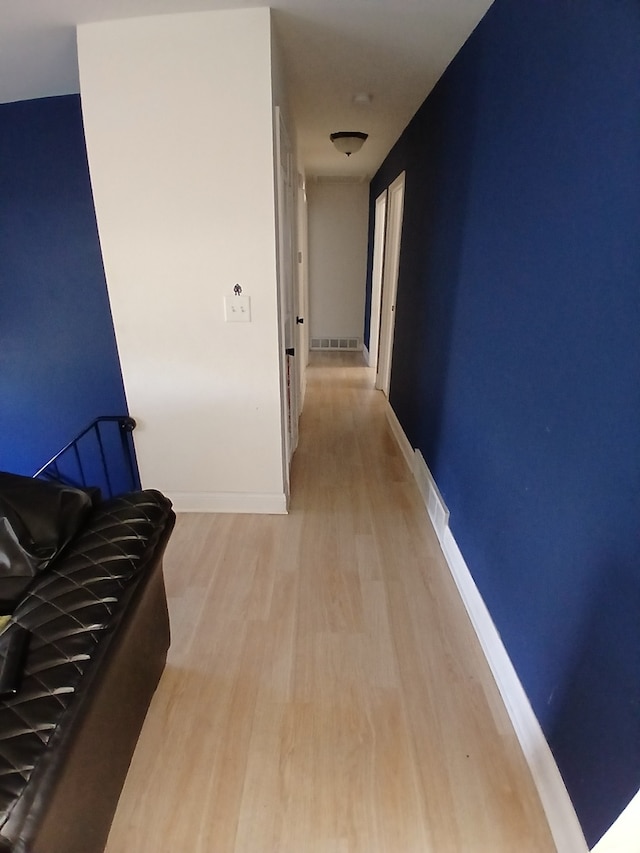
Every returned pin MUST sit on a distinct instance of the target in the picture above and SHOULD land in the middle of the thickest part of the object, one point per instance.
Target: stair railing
(85, 475)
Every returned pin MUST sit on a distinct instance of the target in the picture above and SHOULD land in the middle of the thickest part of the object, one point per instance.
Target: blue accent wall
(59, 366)
(516, 367)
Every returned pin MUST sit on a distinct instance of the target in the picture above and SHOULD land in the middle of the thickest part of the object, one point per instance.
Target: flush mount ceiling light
(348, 141)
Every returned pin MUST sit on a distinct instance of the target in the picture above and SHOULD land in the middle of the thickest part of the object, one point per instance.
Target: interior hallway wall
(59, 366)
(185, 211)
(338, 215)
(517, 357)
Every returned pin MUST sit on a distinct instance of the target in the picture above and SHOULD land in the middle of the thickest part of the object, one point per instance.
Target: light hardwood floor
(325, 692)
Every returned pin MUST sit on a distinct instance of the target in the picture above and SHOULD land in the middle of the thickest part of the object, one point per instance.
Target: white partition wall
(338, 222)
(179, 128)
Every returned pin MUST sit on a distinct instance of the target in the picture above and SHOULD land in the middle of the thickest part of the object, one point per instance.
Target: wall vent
(438, 512)
(336, 344)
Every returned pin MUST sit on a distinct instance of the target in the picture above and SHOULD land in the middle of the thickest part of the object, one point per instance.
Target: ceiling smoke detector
(362, 99)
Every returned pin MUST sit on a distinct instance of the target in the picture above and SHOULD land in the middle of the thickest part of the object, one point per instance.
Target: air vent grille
(336, 344)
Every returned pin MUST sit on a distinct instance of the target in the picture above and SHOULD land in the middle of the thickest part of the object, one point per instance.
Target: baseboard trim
(403, 442)
(553, 794)
(438, 512)
(561, 816)
(228, 502)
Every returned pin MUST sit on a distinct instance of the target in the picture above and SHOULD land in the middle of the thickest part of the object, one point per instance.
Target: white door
(390, 281)
(286, 277)
(379, 228)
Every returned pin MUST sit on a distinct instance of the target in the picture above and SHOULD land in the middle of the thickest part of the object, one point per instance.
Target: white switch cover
(237, 309)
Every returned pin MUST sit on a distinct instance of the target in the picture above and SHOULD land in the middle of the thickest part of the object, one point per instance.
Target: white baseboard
(436, 508)
(403, 442)
(555, 799)
(563, 822)
(263, 504)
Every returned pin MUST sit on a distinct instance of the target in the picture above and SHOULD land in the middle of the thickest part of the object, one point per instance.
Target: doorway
(390, 266)
(379, 229)
(286, 223)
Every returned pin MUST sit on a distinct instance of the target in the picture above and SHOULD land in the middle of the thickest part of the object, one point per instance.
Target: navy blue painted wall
(516, 366)
(59, 366)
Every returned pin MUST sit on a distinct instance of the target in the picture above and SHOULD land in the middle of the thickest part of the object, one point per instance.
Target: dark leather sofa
(95, 618)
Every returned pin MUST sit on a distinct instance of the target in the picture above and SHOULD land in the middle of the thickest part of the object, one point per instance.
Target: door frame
(286, 252)
(393, 238)
(302, 268)
(379, 230)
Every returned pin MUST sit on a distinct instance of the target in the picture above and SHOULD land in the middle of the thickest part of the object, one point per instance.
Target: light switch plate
(237, 309)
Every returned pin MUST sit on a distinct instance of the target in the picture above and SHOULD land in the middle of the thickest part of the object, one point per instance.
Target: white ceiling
(393, 50)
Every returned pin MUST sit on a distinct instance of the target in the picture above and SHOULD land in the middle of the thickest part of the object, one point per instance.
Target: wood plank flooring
(325, 692)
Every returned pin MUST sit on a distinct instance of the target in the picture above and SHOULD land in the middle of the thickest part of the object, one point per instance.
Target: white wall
(178, 120)
(338, 221)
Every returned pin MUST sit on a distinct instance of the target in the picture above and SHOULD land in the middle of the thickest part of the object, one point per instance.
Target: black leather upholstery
(73, 611)
(37, 519)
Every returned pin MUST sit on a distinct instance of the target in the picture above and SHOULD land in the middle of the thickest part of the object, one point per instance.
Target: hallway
(325, 692)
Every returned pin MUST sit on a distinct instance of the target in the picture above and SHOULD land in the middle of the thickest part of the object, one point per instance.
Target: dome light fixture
(348, 141)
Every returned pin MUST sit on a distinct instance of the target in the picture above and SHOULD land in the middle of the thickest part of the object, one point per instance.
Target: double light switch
(237, 309)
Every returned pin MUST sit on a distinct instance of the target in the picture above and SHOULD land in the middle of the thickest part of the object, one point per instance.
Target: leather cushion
(70, 611)
(37, 520)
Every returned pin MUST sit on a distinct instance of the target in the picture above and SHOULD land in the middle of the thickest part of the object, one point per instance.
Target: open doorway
(286, 222)
(379, 229)
(390, 266)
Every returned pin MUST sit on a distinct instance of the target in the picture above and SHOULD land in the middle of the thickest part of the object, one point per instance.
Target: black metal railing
(101, 456)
